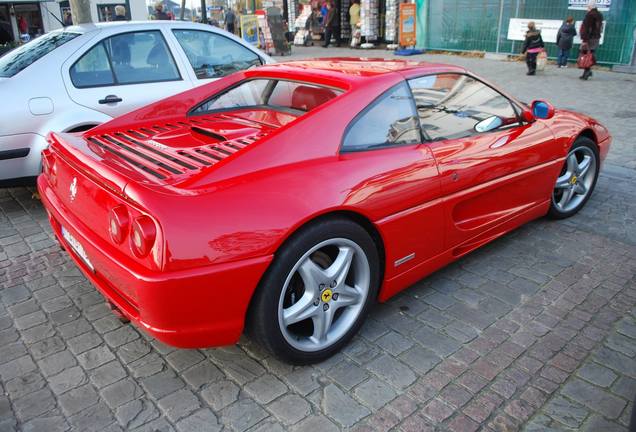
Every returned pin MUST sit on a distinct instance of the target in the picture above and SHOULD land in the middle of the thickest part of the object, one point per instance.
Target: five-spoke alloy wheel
(576, 180)
(317, 291)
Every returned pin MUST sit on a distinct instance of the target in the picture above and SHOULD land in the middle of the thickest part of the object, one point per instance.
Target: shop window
(389, 121)
(212, 55)
(6, 31)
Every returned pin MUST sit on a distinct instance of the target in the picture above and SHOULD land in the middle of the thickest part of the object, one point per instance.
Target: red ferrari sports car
(286, 199)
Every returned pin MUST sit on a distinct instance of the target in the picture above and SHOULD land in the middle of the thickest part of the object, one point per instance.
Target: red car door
(395, 179)
(494, 168)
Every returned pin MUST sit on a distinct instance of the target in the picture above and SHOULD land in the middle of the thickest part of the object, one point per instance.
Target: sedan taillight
(118, 223)
(143, 236)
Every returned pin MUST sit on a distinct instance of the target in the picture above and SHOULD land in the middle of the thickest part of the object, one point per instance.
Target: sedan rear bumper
(20, 155)
(193, 308)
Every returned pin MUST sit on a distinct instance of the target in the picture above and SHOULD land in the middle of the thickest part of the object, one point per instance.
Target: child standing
(532, 46)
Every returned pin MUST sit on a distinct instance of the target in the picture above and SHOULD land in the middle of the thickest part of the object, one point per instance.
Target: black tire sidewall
(263, 314)
(554, 212)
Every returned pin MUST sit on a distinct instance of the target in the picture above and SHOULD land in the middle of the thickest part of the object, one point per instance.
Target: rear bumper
(194, 308)
(20, 155)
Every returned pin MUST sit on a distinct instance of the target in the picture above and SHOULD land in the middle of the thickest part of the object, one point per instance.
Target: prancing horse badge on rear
(73, 188)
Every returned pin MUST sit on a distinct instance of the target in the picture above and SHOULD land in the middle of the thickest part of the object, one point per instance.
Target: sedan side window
(390, 120)
(212, 55)
(128, 58)
(454, 106)
(93, 69)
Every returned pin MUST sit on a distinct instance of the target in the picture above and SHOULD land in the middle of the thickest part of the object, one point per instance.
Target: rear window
(24, 56)
(277, 94)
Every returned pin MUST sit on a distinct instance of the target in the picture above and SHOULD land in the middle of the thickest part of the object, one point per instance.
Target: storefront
(26, 17)
(37, 18)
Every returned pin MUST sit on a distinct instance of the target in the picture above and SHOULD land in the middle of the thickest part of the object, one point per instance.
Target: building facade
(39, 17)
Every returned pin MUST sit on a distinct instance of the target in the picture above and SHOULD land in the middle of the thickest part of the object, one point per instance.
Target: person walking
(120, 13)
(332, 25)
(159, 13)
(230, 18)
(565, 38)
(590, 32)
(354, 21)
(532, 46)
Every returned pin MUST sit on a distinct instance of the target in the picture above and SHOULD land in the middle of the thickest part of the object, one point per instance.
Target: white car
(72, 79)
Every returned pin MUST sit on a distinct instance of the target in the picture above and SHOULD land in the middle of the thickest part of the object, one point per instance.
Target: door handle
(110, 99)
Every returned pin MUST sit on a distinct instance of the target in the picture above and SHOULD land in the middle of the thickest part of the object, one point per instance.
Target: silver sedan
(72, 79)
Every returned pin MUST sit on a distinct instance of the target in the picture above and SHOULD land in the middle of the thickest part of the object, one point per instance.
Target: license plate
(77, 248)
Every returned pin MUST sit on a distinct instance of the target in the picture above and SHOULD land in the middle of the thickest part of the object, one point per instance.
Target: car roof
(85, 28)
(356, 69)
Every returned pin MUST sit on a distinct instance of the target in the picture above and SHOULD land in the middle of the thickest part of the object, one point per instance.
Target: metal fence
(482, 25)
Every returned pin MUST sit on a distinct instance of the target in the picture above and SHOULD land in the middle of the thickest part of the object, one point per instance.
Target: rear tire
(317, 292)
(577, 179)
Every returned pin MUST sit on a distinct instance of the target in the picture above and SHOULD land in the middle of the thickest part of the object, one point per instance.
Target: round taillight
(143, 234)
(118, 222)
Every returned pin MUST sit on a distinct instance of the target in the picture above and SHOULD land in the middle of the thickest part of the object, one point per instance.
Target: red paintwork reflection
(226, 190)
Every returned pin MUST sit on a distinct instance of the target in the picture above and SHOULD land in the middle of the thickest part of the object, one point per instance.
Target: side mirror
(542, 109)
(491, 123)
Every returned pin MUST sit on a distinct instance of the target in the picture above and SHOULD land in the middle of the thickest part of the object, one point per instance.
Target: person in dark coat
(332, 25)
(159, 13)
(565, 38)
(120, 13)
(590, 33)
(532, 46)
(230, 18)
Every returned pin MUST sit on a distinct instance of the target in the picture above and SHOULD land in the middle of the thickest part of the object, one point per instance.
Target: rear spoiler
(80, 154)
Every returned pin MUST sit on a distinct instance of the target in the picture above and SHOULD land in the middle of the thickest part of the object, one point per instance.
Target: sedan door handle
(110, 99)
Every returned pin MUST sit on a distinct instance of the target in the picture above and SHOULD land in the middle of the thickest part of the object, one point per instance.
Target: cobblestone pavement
(534, 331)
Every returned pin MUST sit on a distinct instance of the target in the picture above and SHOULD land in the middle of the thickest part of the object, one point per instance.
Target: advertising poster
(249, 28)
(519, 26)
(407, 24)
(549, 28)
(602, 5)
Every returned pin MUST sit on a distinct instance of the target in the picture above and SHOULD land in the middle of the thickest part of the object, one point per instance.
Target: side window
(389, 120)
(212, 55)
(141, 57)
(128, 58)
(92, 69)
(452, 105)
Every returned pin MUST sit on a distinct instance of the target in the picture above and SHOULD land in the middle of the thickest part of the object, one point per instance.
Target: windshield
(277, 94)
(22, 57)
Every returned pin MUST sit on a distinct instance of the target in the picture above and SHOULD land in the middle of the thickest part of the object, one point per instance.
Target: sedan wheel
(576, 180)
(317, 292)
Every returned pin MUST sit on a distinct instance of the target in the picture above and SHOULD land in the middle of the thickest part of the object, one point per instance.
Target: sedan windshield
(22, 57)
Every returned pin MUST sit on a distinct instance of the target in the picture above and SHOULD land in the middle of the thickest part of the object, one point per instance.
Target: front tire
(577, 179)
(317, 292)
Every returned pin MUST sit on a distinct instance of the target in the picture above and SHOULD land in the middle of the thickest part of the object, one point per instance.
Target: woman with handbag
(532, 46)
(590, 38)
